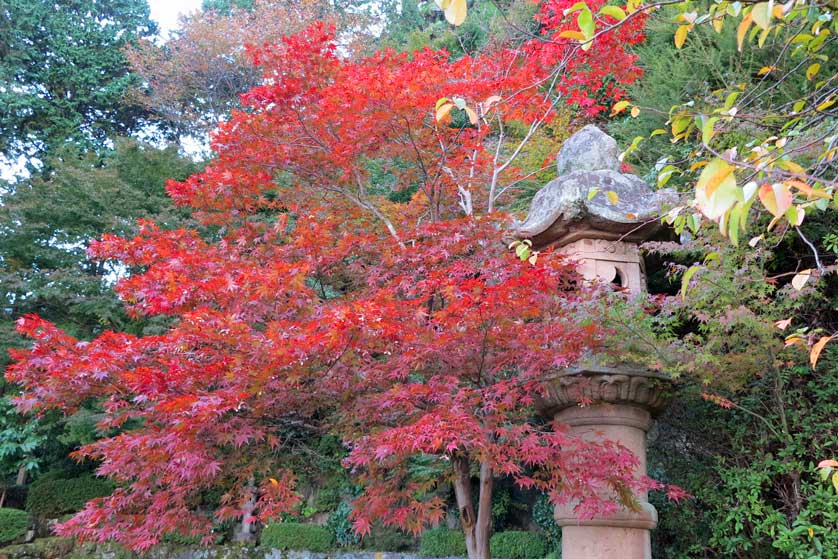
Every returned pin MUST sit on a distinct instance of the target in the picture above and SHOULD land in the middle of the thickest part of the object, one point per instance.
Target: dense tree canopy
(63, 75)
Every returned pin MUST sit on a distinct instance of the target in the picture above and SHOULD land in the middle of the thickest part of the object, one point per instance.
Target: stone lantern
(597, 216)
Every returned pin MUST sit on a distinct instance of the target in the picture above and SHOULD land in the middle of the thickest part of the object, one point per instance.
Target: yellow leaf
(613, 197)
(274, 482)
(811, 533)
(766, 69)
(635, 111)
(681, 35)
(800, 279)
(491, 100)
(441, 101)
(826, 104)
(456, 11)
(619, 107)
(812, 71)
(472, 116)
(817, 349)
(575, 35)
(776, 198)
(783, 324)
(716, 190)
(761, 14)
(444, 111)
(718, 23)
(742, 30)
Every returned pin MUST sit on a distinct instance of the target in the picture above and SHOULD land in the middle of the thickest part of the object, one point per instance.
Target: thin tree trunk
(484, 511)
(462, 491)
(477, 527)
(21, 476)
(245, 532)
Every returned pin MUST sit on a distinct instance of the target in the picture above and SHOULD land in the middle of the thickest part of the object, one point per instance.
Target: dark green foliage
(291, 535)
(382, 538)
(441, 542)
(13, 524)
(708, 61)
(46, 225)
(417, 25)
(51, 498)
(340, 526)
(543, 516)
(517, 545)
(757, 493)
(63, 74)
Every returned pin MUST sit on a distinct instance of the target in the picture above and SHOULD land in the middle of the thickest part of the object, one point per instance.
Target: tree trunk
(477, 527)
(245, 532)
(21, 476)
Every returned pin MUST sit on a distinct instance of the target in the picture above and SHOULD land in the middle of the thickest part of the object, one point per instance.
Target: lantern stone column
(597, 216)
(624, 403)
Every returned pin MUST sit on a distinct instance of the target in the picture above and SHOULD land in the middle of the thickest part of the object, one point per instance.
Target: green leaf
(707, 130)
(586, 23)
(613, 11)
(685, 281)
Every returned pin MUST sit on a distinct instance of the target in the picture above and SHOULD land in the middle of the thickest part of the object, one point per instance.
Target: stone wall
(61, 548)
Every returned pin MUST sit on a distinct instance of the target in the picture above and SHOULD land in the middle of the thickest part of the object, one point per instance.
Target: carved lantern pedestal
(624, 403)
(597, 215)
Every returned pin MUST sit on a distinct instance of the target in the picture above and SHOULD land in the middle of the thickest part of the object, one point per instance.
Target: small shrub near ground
(13, 524)
(52, 498)
(518, 545)
(341, 527)
(294, 536)
(382, 538)
(441, 542)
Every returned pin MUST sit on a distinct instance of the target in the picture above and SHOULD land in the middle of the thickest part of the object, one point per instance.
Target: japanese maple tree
(312, 300)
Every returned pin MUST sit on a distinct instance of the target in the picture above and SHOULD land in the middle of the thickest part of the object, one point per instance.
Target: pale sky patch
(166, 12)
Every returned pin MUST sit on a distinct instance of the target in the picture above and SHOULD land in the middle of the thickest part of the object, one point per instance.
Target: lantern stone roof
(564, 210)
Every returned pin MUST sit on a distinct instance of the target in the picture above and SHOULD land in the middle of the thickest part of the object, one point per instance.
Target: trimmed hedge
(13, 524)
(518, 545)
(52, 498)
(298, 537)
(441, 542)
(383, 538)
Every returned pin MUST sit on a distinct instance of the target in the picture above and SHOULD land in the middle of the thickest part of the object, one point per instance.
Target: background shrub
(292, 535)
(51, 498)
(341, 527)
(383, 538)
(13, 524)
(542, 515)
(518, 545)
(441, 542)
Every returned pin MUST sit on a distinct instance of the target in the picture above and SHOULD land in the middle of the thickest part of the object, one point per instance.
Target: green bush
(383, 538)
(302, 537)
(518, 545)
(341, 527)
(441, 542)
(51, 498)
(13, 524)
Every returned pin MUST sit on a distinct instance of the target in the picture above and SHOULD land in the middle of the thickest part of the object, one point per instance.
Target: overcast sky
(165, 12)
